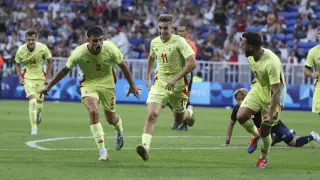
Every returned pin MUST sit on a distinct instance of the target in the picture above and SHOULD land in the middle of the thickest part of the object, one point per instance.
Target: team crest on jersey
(169, 48)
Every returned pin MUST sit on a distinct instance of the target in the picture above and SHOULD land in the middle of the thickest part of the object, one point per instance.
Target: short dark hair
(253, 39)
(31, 32)
(185, 23)
(165, 18)
(95, 31)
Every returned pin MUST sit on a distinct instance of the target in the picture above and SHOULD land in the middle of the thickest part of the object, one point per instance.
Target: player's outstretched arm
(229, 132)
(61, 74)
(150, 65)
(133, 88)
(18, 70)
(49, 71)
(190, 66)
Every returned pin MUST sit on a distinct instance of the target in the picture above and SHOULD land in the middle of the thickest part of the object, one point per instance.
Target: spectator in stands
(299, 32)
(121, 40)
(283, 48)
(306, 11)
(312, 31)
(272, 26)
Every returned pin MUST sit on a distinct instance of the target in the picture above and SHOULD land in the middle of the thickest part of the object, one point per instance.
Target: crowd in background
(215, 25)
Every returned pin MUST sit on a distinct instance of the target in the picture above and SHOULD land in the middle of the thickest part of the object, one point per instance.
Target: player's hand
(135, 91)
(315, 75)
(21, 81)
(44, 91)
(148, 84)
(267, 118)
(46, 81)
(172, 83)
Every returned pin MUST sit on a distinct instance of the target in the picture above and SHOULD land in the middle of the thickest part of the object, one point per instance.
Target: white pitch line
(33, 144)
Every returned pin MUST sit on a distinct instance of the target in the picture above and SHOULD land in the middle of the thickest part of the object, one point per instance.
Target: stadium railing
(225, 72)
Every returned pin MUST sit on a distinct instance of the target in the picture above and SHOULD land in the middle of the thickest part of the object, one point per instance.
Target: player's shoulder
(271, 57)
(79, 50)
(22, 48)
(156, 40)
(41, 45)
(109, 45)
(315, 49)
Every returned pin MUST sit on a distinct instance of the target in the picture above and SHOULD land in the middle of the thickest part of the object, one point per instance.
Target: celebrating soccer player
(96, 60)
(313, 61)
(32, 55)
(175, 59)
(266, 96)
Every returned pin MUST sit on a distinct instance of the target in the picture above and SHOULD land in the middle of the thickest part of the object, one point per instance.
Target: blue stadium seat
(208, 28)
(126, 3)
(307, 45)
(305, 22)
(254, 28)
(293, 15)
(284, 14)
(290, 29)
(281, 36)
(135, 42)
(291, 22)
(290, 43)
(42, 6)
(317, 8)
(293, 8)
(289, 37)
(204, 35)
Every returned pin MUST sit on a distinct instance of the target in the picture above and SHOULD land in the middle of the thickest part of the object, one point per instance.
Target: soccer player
(313, 62)
(280, 131)
(266, 96)
(183, 32)
(32, 55)
(96, 60)
(175, 59)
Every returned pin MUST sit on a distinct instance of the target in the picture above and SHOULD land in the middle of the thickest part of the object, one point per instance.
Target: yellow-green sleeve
(72, 60)
(309, 62)
(47, 53)
(185, 48)
(18, 58)
(274, 73)
(116, 53)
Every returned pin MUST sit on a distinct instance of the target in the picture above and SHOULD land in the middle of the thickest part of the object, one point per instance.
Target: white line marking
(33, 144)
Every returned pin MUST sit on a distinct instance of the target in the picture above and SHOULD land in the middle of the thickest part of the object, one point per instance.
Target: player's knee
(93, 112)
(113, 120)
(242, 118)
(32, 104)
(153, 115)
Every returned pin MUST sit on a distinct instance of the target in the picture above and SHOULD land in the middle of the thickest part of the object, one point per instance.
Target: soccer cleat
(293, 131)
(104, 155)
(175, 126)
(119, 140)
(253, 144)
(191, 120)
(315, 136)
(183, 127)
(39, 117)
(34, 131)
(262, 163)
(142, 151)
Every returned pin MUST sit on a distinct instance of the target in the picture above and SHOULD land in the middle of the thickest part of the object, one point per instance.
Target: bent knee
(153, 115)
(93, 112)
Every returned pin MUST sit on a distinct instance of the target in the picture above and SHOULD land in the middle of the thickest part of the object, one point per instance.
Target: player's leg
(175, 124)
(90, 99)
(39, 106)
(316, 101)
(157, 99)
(178, 100)
(184, 126)
(282, 133)
(31, 93)
(108, 102)
(249, 106)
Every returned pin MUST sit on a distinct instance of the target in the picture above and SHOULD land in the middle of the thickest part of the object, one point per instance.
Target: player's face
(95, 44)
(31, 41)
(165, 30)
(247, 49)
(182, 31)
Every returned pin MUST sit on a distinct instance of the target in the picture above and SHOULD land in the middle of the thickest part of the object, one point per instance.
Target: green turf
(197, 157)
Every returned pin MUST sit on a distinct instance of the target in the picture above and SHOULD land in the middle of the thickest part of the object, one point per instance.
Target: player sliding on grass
(280, 132)
(174, 61)
(267, 96)
(96, 59)
(32, 55)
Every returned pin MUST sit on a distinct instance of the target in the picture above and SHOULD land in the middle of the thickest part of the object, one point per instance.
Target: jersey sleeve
(18, 57)
(116, 53)
(47, 53)
(274, 73)
(152, 52)
(193, 46)
(185, 48)
(234, 113)
(72, 60)
(310, 57)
